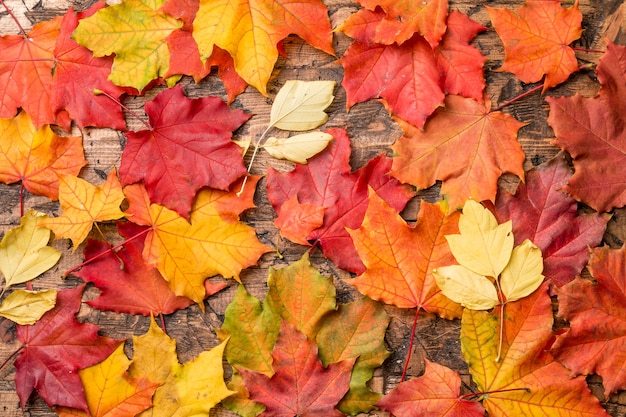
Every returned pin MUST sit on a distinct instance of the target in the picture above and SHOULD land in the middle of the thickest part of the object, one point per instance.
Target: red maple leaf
(185, 56)
(55, 348)
(596, 339)
(548, 217)
(592, 131)
(327, 181)
(188, 147)
(126, 283)
(436, 393)
(300, 386)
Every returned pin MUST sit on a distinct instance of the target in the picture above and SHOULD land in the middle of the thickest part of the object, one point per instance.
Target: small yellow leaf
(26, 307)
(483, 246)
(523, 274)
(244, 144)
(297, 148)
(24, 250)
(300, 105)
(467, 288)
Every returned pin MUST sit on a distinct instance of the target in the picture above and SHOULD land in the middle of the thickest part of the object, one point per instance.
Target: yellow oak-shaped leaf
(84, 204)
(37, 156)
(523, 274)
(24, 250)
(135, 31)
(213, 241)
(250, 30)
(191, 389)
(300, 105)
(484, 246)
(26, 307)
(467, 288)
(297, 148)
(111, 392)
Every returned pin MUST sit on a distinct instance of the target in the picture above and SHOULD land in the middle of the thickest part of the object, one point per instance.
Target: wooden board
(372, 132)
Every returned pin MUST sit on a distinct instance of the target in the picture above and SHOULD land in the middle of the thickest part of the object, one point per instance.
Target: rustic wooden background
(371, 130)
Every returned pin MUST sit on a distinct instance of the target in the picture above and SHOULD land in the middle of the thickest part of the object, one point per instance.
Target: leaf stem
(519, 97)
(502, 303)
(119, 103)
(257, 145)
(21, 196)
(596, 51)
(408, 355)
(12, 355)
(17, 22)
(478, 394)
(163, 322)
(106, 252)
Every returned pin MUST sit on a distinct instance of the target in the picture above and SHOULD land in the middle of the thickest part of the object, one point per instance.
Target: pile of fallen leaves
(480, 254)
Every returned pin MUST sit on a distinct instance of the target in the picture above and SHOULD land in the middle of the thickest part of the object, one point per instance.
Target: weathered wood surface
(371, 130)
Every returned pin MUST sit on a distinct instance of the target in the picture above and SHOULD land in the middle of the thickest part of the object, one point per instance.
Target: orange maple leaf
(37, 156)
(250, 30)
(83, 205)
(213, 241)
(464, 145)
(396, 273)
(536, 38)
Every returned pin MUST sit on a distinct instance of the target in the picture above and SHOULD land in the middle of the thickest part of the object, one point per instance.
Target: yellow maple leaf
(191, 389)
(213, 241)
(135, 31)
(110, 391)
(84, 204)
(37, 156)
(250, 30)
(24, 250)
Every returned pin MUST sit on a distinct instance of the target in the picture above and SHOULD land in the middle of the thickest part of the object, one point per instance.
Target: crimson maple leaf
(300, 386)
(548, 217)
(55, 348)
(595, 341)
(187, 147)
(126, 283)
(326, 181)
(592, 131)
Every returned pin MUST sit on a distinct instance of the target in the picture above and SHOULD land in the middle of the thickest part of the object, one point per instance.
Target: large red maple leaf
(55, 348)
(188, 147)
(592, 131)
(327, 181)
(596, 339)
(300, 386)
(548, 217)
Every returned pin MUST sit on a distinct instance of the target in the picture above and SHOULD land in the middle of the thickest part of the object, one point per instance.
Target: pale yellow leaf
(300, 105)
(483, 246)
(523, 274)
(297, 148)
(467, 288)
(26, 307)
(24, 250)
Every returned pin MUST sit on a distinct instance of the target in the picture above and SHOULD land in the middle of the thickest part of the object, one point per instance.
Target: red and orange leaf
(399, 21)
(188, 147)
(55, 348)
(76, 75)
(465, 146)
(591, 131)
(596, 311)
(83, 205)
(300, 385)
(436, 393)
(396, 272)
(126, 283)
(26, 68)
(111, 392)
(461, 64)
(213, 241)
(526, 381)
(536, 38)
(296, 221)
(327, 182)
(406, 76)
(548, 217)
(250, 30)
(37, 156)
(185, 56)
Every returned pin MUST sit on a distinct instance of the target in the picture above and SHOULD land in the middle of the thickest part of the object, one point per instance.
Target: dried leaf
(26, 307)
(522, 275)
(297, 148)
(300, 105)
(466, 287)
